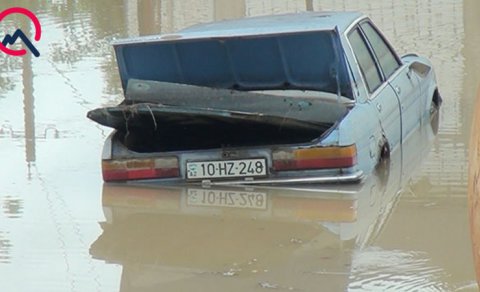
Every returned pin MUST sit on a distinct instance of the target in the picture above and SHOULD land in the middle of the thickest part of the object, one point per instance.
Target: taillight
(126, 169)
(315, 158)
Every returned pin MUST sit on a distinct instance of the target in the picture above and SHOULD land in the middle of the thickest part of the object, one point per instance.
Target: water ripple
(375, 269)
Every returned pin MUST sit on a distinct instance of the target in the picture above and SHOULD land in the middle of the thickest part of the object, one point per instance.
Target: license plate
(227, 168)
(226, 198)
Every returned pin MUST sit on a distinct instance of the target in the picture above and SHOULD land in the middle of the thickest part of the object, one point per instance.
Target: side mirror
(420, 68)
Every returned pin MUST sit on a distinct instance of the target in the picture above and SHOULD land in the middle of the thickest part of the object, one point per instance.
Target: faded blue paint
(306, 60)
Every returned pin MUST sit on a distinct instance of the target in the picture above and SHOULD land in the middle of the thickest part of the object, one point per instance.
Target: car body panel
(388, 111)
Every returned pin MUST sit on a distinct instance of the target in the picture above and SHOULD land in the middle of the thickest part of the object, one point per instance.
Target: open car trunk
(203, 92)
(160, 116)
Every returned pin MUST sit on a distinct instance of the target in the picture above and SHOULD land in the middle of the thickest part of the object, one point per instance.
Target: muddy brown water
(406, 228)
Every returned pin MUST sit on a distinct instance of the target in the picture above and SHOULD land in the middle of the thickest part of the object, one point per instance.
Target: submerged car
(314, 97)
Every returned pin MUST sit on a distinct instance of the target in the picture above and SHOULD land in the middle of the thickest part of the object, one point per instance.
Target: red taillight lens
(127, 169)
(315, 158)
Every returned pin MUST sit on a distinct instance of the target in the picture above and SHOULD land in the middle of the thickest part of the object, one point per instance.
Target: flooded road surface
(406, 228)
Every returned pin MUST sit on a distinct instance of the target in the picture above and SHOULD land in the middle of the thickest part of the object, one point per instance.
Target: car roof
(304, 21)
(260, 25)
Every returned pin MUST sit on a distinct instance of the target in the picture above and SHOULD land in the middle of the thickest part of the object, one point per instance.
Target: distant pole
(146, 17)
(228, 9)
(309, 5)
(130, 8)
(28, 106)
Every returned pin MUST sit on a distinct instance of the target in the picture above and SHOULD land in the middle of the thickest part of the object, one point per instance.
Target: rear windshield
(308, 61)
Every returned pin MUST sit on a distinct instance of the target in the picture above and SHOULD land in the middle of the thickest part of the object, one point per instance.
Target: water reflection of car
(308, 97)
(225, 238)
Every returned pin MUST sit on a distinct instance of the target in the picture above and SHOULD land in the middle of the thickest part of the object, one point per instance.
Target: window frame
(356, 25)
(372, 55)
(372, 50)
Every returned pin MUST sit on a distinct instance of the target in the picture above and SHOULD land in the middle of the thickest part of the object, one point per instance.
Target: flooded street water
(405, 228)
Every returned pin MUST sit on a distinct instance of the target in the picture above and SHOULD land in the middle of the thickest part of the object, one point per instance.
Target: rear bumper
(115, 150)
(355, 177)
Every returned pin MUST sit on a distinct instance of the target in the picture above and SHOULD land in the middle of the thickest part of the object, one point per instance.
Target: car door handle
(398, 90)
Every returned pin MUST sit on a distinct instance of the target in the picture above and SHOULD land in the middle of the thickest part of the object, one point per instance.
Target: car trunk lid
(159, 116)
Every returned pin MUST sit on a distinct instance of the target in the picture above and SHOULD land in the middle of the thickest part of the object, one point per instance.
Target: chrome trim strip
(353, 177)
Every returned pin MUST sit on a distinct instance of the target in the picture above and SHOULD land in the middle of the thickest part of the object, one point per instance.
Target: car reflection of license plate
(226, 198)
(226, 168)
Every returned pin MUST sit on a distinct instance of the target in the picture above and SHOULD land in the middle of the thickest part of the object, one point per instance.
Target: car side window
(365, 60)
(387, 59)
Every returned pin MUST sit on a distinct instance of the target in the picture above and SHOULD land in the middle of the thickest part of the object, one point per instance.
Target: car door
(397, 75)
(381, 95)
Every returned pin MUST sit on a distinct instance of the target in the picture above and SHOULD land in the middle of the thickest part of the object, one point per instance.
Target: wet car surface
(62, 229)
(303, 97)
